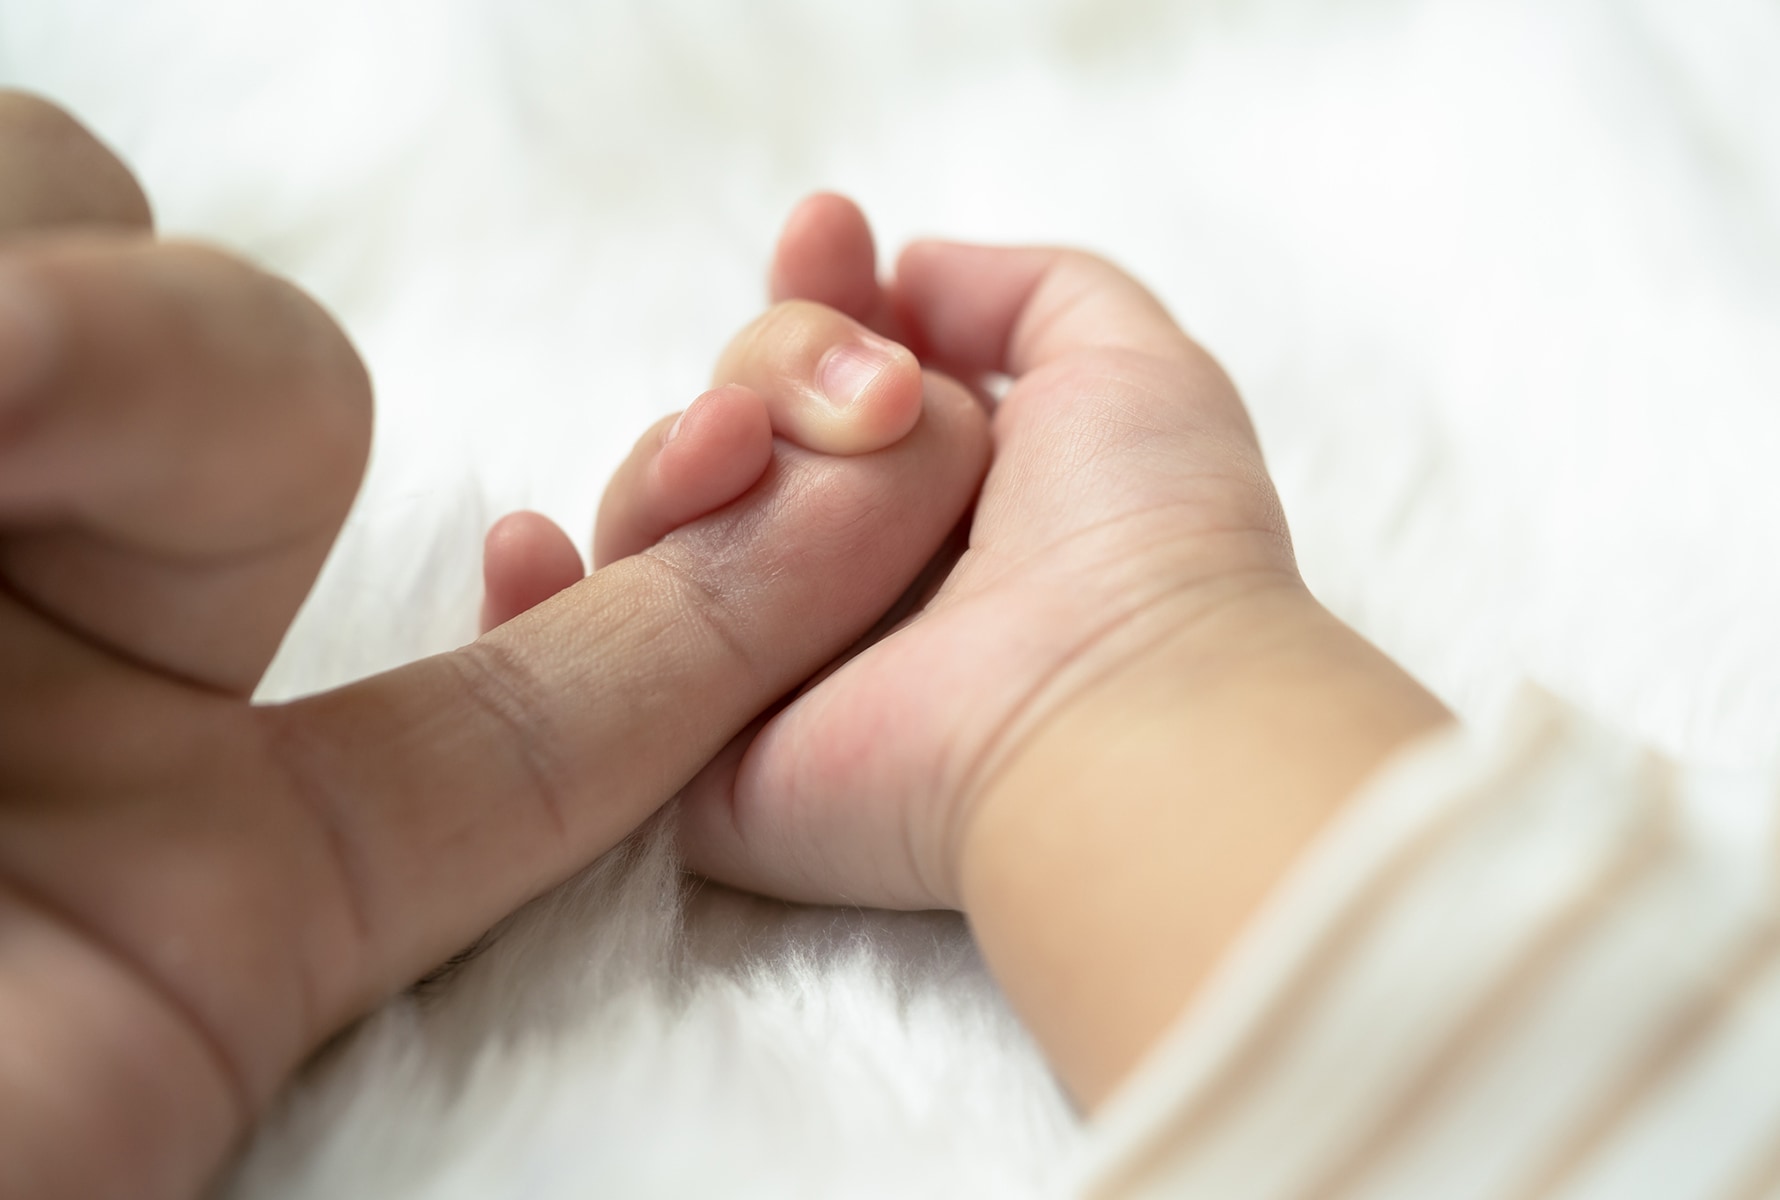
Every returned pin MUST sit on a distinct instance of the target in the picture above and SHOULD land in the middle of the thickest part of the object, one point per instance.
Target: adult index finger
(465, 784)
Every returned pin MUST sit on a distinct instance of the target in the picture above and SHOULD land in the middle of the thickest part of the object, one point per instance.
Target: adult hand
(195, 891)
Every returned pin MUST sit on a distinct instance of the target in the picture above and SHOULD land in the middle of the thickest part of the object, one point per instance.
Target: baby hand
(1127, 503)
(1117, 721)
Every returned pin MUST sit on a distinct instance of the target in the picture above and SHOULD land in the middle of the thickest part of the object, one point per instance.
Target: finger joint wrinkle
(498, 684)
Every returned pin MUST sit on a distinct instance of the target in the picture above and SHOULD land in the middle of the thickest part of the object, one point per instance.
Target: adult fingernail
(848, 371)
(24, 341)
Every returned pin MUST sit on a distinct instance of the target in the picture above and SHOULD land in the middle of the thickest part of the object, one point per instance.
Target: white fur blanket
(1501, 282)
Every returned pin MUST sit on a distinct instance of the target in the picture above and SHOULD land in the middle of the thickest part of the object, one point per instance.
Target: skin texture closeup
(194, 891)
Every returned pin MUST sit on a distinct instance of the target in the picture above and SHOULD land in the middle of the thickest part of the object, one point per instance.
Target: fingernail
(674, 429)
(24, 342)
(848, 370)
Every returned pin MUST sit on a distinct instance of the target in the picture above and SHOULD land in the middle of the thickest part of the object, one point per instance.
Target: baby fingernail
(698, 401)
(847, 371)
(24, 341)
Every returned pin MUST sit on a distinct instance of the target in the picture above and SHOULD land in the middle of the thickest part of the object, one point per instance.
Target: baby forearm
(1127, 842)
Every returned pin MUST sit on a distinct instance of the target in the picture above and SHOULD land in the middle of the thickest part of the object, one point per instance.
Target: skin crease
(193, 900)
(1120, 718)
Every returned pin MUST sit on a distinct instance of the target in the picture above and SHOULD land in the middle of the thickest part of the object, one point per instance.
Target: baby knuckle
(781, 341)
(797, 324)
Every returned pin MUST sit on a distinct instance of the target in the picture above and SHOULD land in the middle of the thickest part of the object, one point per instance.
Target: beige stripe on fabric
(1495, 1013)
(1656, 1068)
(1298, 998)
(1762, 1181)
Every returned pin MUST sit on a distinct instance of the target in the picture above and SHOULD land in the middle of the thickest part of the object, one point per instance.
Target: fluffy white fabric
(1501, 283)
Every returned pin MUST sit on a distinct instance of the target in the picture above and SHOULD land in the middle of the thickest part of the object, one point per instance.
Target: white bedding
(1500, 281)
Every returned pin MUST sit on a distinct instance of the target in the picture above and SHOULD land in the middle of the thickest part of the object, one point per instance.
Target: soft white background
(1501, 282)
